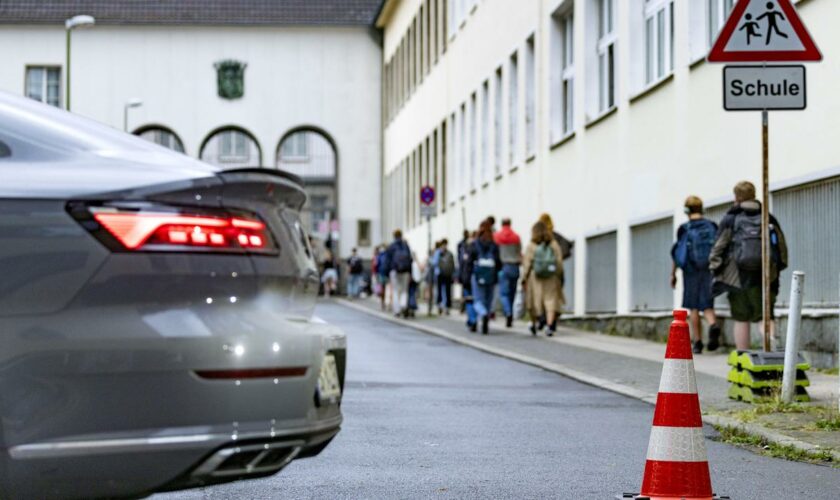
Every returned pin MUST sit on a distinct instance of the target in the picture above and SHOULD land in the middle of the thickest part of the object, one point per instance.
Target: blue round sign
(427, 195)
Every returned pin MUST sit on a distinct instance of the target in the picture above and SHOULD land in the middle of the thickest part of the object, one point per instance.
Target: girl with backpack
(485, 263)
(543, 278)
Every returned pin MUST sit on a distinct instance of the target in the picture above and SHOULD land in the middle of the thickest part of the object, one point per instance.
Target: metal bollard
(792, 341)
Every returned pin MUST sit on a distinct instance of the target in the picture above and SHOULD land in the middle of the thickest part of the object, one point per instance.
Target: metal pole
(765, 228)
(67, 73)
(429, 263)
(797, 286)
(125, 118)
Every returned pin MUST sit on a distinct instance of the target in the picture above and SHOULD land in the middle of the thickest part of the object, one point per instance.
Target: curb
(624, 390)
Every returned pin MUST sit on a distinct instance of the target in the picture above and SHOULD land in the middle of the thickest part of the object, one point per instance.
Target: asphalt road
(426, 418)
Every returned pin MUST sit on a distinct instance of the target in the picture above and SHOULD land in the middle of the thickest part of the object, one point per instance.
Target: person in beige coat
(543, 279)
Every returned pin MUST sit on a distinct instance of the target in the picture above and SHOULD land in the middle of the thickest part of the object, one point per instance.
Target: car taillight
(155, 228)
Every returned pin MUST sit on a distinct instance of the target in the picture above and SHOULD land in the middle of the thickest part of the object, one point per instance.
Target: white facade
(599, 162)
(321, 78)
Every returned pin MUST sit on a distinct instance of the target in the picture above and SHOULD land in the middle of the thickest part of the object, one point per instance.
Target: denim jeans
(469, 303)
(354, 285)
(482, 298)
(444, 291)
(509, 278)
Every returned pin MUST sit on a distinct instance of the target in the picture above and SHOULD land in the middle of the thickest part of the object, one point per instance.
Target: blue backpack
(695, 245)
(485, 266)
(402, 258)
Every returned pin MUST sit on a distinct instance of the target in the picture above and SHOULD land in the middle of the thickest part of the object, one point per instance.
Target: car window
(5, 151)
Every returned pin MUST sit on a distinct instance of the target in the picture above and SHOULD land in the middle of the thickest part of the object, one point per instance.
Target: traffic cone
(677, 466)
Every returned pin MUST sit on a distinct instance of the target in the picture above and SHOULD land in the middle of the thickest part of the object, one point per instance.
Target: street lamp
(131, 103)
(69, 25)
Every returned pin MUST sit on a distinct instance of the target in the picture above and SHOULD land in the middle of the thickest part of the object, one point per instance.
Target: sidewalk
(633, 367)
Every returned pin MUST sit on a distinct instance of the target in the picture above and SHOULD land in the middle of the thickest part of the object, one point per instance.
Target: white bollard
(792, 341)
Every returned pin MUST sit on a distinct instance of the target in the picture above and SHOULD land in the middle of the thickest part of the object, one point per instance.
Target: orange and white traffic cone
(677, 466)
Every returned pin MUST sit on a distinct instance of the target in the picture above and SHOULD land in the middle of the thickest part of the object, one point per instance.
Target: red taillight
(150, 230)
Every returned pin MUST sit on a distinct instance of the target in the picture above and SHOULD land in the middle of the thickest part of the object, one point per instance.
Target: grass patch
(773, 407)
(740, 438)
(828, 424)
(829, 371)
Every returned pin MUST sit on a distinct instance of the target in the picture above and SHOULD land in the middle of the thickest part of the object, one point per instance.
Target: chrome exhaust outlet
(250, 459)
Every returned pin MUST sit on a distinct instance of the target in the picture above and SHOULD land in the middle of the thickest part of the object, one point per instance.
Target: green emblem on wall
(231, 79)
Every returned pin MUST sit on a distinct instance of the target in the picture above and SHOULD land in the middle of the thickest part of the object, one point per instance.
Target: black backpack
(356, 266)
(446, 264)
(402, 258)
(746, 242)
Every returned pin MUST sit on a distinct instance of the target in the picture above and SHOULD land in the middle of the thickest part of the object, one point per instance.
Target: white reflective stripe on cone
(678, 377)
(677, 444)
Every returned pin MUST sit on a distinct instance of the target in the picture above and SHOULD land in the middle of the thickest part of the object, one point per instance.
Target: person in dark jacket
(485, 264)
(399, 261)
(690, 253)
(733, 262)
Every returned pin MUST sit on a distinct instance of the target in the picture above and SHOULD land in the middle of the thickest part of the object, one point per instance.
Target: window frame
(658, 34)
(606, 56)
(45, 70)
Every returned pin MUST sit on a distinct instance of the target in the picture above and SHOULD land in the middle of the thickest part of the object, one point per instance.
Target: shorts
(329, 275)
(697, 290)
(747, 304)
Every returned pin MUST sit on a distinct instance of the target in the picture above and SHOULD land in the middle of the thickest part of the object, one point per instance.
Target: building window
(232, 148)
(497, 121)
(43, 83)
(659, 39)
(563, 74)
(473, 142)
(295, 148)
(462, 150)
(718, 11)
(163, 137)
(606, 55)
(513, 107)
(485, 131)
(363, 238)
(530, 98)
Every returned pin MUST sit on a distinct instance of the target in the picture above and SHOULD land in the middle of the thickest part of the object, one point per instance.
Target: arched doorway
(231, 147)
(310, 154)
(161, 135)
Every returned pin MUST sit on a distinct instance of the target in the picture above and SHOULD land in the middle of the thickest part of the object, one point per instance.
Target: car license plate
(329, 388)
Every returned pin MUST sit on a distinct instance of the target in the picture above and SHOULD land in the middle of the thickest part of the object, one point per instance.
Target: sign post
(761, 31)
(427, 210)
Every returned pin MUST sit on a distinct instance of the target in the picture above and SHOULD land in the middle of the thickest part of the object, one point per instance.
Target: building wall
(327, 78)
(634, 164)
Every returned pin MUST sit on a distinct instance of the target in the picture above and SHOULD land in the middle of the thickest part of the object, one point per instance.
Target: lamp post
(74, 22)
(131, 103)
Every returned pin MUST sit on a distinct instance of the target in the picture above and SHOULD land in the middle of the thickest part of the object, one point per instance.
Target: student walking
(329, 277)
(399, 271)
(542, 279)
(463, 250)
(735, 261)
(510, 251)
(379, 269)
(486, 264)
(690, 253)
(445, 269)
(355, 275)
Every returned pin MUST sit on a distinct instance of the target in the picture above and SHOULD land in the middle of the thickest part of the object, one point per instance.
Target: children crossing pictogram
(762, 31)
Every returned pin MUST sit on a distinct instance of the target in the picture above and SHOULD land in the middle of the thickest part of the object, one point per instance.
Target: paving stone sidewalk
(633, 367)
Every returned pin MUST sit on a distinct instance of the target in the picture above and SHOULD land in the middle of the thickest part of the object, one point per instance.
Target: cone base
(636, 496)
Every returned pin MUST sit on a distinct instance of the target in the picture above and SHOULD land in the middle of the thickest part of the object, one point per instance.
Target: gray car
(156, 316)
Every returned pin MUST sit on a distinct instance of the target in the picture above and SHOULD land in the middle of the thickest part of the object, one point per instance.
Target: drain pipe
(792, 341)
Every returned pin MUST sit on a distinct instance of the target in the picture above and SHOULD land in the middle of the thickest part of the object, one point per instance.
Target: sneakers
(472, 327)
(698, 347)
(714, 337)
(485, 325)
(533, 329)
(509, 321)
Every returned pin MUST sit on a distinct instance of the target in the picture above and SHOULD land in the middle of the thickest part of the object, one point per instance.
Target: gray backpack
(545, 262)
(746, 242)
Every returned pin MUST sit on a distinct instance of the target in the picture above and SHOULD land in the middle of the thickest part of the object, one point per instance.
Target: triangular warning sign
(764, 30)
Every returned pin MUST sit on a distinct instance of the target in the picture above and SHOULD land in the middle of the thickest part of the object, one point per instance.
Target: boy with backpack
(355, 275)
(445, 266)
(510, 251)
(690, 253)
(735, 261)
(399, 260)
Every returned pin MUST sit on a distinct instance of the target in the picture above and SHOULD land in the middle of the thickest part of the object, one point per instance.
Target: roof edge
(385, 13)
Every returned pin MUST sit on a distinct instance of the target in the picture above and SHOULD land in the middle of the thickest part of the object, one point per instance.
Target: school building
(605, 114)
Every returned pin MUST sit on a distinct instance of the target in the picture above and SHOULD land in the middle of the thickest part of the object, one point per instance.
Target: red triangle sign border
(719, 54)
